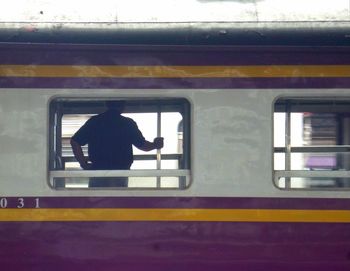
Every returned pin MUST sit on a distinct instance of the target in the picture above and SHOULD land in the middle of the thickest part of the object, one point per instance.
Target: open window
(168, 168)
(312, 143)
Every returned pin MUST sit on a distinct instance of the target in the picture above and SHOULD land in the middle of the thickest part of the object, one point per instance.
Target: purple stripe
(169, 55)
(175, 246)
(184, 202)
(182, 83)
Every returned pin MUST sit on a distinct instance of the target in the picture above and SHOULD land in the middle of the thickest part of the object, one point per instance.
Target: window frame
(341, 105)
(157, 105)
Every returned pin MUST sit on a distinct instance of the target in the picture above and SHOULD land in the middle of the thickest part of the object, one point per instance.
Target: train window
(312, 143)
(166, 168)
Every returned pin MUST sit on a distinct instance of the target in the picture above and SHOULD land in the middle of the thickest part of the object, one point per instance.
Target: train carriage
(254, 176)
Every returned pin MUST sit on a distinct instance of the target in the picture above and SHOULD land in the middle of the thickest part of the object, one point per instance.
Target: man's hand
(85, 164)
(79, 155)
(158, 142)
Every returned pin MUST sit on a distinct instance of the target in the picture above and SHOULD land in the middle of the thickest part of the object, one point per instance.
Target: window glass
(164, 168)
(312, 143)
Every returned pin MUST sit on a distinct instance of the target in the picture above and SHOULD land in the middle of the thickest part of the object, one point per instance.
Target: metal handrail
(137, 157)
(311, 174)
(315, 149)
(119, 173)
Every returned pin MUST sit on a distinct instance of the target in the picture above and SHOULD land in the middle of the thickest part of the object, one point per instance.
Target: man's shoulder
(127, 120)
(107, 117)
(100, 117)
(93, 119)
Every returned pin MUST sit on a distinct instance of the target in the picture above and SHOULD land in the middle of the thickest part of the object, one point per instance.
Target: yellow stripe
(208, 215)
(263, 71)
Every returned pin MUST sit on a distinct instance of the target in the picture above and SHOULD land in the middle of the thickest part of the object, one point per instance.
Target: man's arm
(79, 155)
(157, 143)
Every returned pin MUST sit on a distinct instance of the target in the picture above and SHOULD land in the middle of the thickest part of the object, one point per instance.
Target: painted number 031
(21, 203)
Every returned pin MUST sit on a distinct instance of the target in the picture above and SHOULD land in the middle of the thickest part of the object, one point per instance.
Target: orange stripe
(207, 215)
(263, 71)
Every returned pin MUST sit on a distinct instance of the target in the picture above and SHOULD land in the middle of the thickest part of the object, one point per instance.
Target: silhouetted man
(110, 137)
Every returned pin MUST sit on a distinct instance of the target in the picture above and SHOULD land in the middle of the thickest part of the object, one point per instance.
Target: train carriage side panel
(232, 215)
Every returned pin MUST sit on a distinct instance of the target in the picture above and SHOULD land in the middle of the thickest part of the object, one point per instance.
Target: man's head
(116, 105)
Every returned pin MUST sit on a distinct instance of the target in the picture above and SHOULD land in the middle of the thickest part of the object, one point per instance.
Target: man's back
(110, 137)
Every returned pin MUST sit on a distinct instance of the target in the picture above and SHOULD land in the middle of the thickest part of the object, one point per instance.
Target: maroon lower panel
(174, 246)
